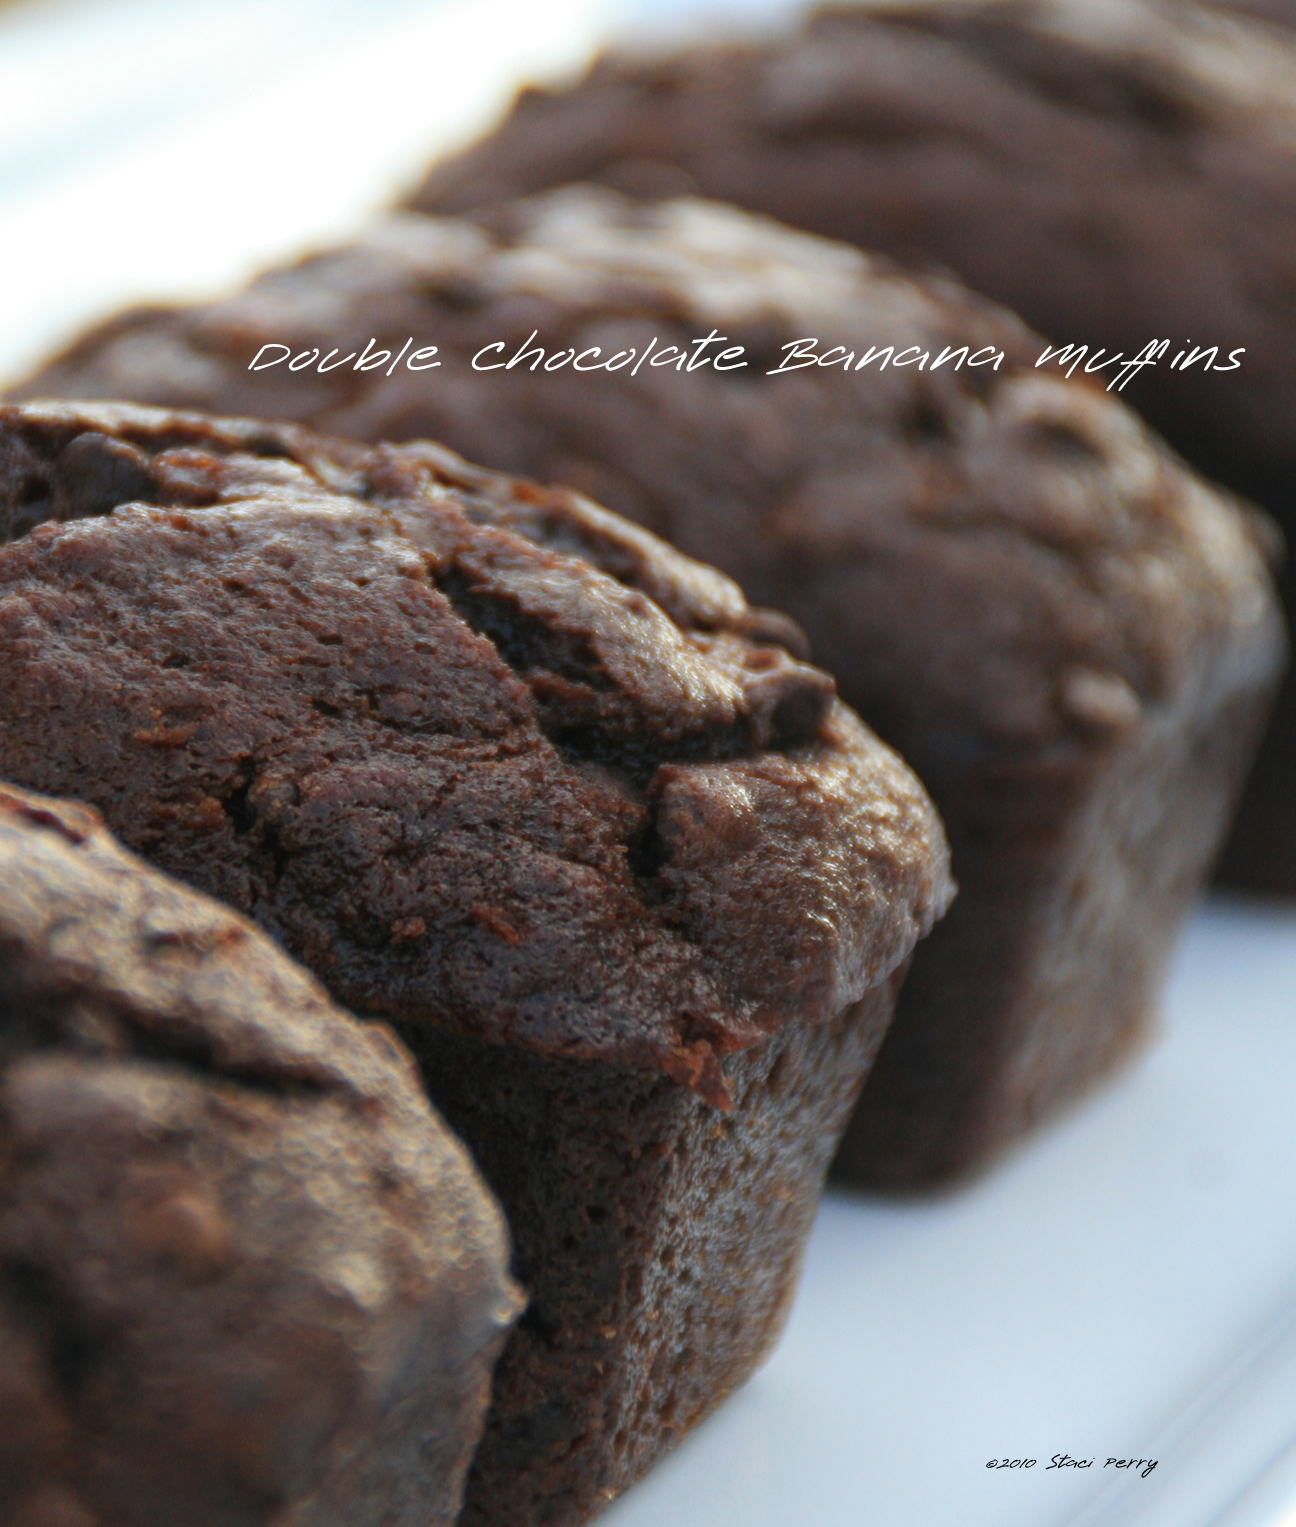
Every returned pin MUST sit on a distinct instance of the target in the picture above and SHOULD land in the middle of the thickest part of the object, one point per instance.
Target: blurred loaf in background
(1114, 172)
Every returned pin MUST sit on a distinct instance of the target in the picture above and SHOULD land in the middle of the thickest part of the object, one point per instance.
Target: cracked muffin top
(480, 752)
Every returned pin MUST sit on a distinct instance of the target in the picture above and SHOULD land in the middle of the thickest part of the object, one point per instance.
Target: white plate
(168, 148)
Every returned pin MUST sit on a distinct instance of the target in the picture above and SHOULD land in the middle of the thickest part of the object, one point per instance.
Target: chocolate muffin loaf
(1282, 12)
(551, 798)
(1116, 174)
(1068, 635)
(246, 1276)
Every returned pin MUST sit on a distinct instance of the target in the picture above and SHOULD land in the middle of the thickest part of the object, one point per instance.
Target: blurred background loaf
(1114, 172)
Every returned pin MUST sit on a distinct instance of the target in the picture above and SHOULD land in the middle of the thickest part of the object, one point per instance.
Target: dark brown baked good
(245, 1274)
(1069, 636)
(511, 773)
(1114, 173)
(1282, 12)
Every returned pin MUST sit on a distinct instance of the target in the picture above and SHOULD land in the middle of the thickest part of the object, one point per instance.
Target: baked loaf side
(553, 799)
(245, 1274)
(1069, 636)
(687, 1228)
(1115, 173)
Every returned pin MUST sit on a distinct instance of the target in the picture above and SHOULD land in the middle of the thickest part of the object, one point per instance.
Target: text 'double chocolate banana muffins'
(1116, 173)
(1069, 636)
(245, 1275)
(515, 776)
